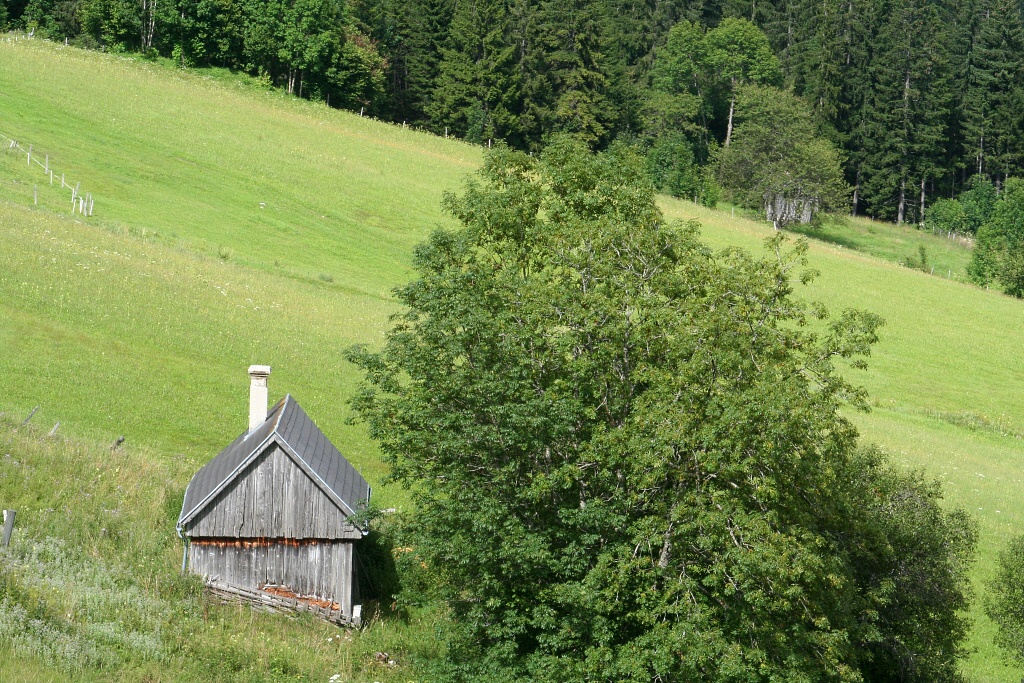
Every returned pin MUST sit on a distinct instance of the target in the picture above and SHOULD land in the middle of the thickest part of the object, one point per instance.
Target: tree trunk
(148, 24)
(856, 192)
(903, 202)
(921, 218)
(981, 152)
(732, 107)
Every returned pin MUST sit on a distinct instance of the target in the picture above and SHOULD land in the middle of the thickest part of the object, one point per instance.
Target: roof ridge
(242, 452)
(280, 414)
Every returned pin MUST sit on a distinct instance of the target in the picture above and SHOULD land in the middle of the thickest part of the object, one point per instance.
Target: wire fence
(81, 203)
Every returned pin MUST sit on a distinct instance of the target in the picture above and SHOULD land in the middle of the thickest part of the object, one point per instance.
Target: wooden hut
(271, 515)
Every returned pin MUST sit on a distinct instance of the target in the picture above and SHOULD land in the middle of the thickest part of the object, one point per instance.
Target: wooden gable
(273, 497)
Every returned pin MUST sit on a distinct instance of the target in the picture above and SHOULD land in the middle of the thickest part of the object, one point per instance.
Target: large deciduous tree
(738, 53)
(1005, 600)
(627, 455)
(777, 162)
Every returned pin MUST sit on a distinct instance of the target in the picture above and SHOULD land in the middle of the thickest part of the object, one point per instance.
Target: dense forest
(916, 96)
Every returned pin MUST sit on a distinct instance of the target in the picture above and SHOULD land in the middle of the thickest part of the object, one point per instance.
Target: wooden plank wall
(274, 498)
(322, 569)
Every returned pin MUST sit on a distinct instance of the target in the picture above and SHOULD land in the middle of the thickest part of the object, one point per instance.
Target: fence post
(30, 156)
(46, 163)
(8, 526)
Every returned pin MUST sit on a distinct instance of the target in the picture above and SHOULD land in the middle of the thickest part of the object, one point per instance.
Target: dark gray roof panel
(286, 422)
(316, 450)
(212, 476)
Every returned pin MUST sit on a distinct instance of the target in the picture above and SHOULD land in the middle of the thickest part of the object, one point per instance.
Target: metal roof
(287, 425)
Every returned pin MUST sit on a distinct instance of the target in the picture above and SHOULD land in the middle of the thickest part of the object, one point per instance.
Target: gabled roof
(287, 425)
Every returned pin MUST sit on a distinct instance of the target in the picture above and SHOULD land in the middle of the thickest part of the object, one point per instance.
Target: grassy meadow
(235, 225)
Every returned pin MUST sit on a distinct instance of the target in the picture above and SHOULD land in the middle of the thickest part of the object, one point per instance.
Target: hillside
(234, 225)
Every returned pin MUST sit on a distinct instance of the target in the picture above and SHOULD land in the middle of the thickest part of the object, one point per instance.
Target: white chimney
(258, 395)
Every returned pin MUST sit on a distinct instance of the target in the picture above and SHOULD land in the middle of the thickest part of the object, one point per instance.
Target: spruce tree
(565, 71)
(994, 90)
(905, 119)
(477, 91)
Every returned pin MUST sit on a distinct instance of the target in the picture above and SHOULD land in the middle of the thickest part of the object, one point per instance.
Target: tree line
(915, 96)
(312, 48)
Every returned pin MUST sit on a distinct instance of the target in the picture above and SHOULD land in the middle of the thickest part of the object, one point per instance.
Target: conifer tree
(905, 118)
(994, 90)
(477, 91)
(565, 71)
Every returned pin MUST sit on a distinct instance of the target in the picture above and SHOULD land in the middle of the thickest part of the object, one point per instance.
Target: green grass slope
(234, 225)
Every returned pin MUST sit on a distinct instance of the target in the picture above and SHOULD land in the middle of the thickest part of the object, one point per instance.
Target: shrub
(947, 216)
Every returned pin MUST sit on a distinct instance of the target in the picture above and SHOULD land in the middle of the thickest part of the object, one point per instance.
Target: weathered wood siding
(273, 498)
(324, 569)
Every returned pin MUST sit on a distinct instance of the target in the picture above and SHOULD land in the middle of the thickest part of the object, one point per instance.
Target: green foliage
(673, 170)
(993, 96)
(966, 214)
(978, 201)
(1004, 602)
(477, 88)
(614, 483)
(999, 254)
(738, 52)
(139, 284)
(904, 127)
(567, 56)
(777, 163)
(920, 262)
(947, 216)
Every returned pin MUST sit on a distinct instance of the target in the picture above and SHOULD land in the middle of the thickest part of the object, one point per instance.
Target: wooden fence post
(8, 527)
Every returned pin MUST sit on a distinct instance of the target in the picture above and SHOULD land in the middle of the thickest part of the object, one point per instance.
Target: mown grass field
(234, 225)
